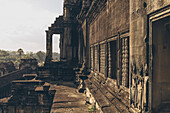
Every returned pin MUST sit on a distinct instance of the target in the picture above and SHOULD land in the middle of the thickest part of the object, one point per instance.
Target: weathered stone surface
(122, 49)
(106, 99)
(29, 63)
(5, 86)
(68, 100)
(146, 84)
(6, 68)
(28, 96)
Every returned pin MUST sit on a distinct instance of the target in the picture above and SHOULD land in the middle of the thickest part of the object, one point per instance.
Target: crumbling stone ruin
(28, 63)
(28, 96)
(22, 92)
(6, 67)
(116, 51)
(27, 66)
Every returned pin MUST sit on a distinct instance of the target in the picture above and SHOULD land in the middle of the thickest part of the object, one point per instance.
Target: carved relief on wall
(139, 85)
(102, 58)
(125, 61)
(97, 58)
(91, 57)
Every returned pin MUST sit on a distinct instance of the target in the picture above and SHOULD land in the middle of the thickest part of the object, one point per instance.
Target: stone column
(118, 60)
(88, 48)
(67, 44)
(109, 61)
(80, 49)
(46, 99)
(61, 46)
(106, 59)
(48, 47)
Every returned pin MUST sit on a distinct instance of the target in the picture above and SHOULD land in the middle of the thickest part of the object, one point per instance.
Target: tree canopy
(15, 56)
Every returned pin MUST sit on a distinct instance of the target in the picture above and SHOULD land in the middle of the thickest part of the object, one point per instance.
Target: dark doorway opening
(161, 63)
(113, 54)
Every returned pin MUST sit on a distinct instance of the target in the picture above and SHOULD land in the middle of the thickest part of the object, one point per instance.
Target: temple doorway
(161, 63)
(56, 47)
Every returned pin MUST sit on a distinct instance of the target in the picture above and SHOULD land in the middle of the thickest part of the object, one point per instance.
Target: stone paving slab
(68, 100)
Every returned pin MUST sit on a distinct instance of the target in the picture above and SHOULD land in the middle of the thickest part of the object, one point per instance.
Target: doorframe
(155, 16)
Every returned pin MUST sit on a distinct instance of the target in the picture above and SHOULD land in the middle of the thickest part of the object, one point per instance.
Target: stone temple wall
(145, 56)
(122, 53)
(112, 18)
(123, 48)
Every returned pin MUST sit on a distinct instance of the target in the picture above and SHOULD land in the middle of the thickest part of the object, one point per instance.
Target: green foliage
(15, 56)
(3, 53)
(20, 51)
(92, 108)
(40, 55)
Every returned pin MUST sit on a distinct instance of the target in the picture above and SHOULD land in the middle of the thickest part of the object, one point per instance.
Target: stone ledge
(107, 100)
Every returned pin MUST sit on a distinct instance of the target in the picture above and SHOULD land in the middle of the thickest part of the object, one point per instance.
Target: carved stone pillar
(118, 60)
(106, 59)
(80, 48)
(48, 47)
(87, 47)
(62, 47)
(125, 61)
(67, 43)
(96, 59)
(91, 57)
(109, 61)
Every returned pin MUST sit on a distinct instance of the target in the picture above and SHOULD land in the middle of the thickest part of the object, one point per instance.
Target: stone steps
(44, 73)
(108, 101)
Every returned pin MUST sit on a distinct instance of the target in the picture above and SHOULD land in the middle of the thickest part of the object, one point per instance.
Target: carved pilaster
(61, 46)
(91, 63)
(125, 62)
(102, 58)
(97, 58)
(109, 61)
(118, 60)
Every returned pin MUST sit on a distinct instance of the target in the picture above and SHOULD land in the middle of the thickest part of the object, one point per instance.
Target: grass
(92, 108)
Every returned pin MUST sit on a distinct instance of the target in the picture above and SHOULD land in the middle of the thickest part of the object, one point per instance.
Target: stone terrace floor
(67, 99)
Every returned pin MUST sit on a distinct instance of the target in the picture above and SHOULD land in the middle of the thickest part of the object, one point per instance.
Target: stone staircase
(57, 71)
(107, 99)
(44, 73)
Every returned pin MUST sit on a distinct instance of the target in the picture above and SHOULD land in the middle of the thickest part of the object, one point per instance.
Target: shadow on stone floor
(67, 99)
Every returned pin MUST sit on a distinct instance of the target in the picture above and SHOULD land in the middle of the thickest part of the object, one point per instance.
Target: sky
(23, 24)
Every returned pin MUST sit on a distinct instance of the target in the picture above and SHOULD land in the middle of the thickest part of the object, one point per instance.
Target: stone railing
(5, 81)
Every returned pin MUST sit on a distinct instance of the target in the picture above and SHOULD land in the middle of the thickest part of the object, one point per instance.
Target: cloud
(23, 23)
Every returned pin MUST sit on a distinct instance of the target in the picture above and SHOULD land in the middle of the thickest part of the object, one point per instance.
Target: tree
(4, 53)
(29, 55)
(20, 51)
(40, 56)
